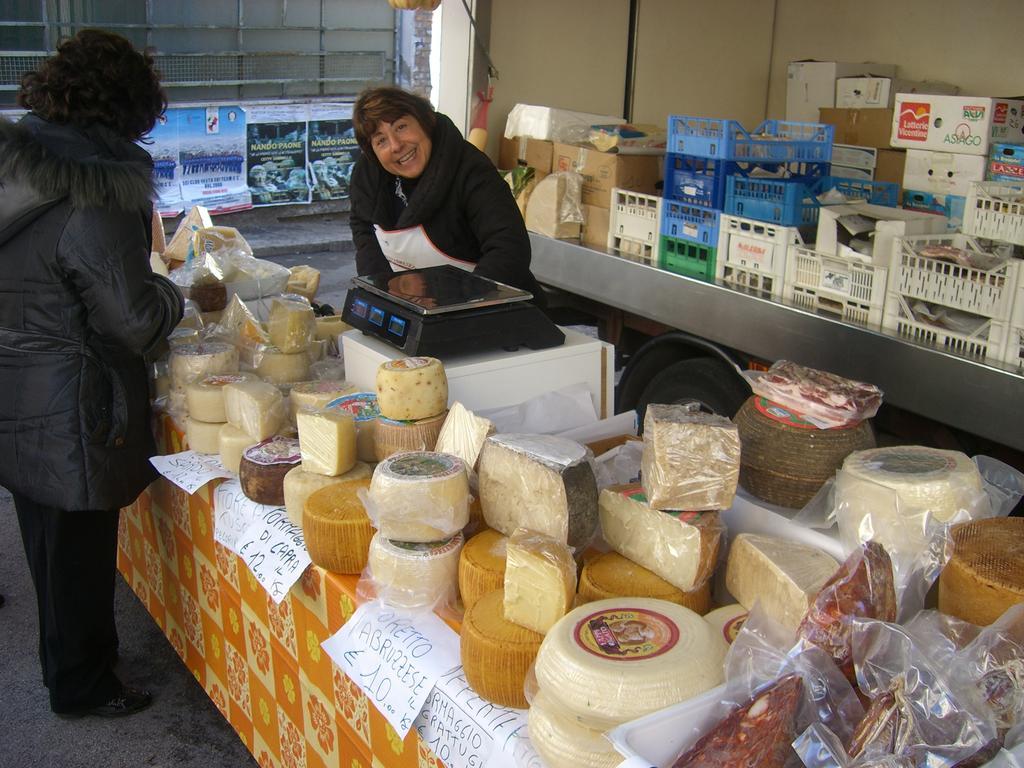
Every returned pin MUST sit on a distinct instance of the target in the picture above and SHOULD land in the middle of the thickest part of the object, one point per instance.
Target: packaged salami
(992, 666)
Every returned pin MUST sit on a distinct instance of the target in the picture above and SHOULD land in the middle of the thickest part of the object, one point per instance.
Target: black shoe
(127, 702)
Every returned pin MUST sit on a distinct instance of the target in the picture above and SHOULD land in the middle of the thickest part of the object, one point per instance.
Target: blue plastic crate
(772, 141)
(874, 192)
(689, 222)
(950, 206)
(789, 202)
(697, 180)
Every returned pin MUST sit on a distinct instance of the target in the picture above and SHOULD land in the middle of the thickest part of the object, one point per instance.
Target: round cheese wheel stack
(611, 661)
(299, 485)
(195, 361)
(335, 526)
(563, 743)
(414, 575)
(202, 436)
(233, 443)
(263, 467)
(419, 496)
(497, 654)
(729, 620)
(314, 395)
(205, 397)
(785, 459)
(391, 437)
(985, 576)
(363, 407)
(482, 566)
(412, 388)
(279, 367)
(611, 575)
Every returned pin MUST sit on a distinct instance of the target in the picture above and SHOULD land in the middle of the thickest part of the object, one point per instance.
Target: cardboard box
(1006, 162)
(596, 221)
(811, 85)
(964, 124)
(943, 173)
(854, 157)
(535, 153)
(603, 170)
(861, 127)
(838, 225)
(880, 92)
(889, 165)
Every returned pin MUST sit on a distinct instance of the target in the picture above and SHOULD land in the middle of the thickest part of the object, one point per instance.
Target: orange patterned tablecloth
(260, 663)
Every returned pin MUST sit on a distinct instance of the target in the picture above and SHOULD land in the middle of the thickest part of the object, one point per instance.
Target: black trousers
(73, 560)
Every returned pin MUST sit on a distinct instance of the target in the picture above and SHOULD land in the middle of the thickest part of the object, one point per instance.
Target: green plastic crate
(687, 257)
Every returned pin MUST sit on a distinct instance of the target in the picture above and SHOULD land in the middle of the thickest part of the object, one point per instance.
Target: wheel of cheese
(263, 467)
(205, 397)
(280, 367)
(785, 459)
(335, 526)
(415, 575)
(985, 576)
(729, 620)
(315, 395)
(196, 361)
(562, 742)
(611, 661)
(363, 407)
(497, 654)
(482, 566)
(613, 576)
(299, 485)
(202, 436)
(391, 437)
(420, 496)
(233, 443)
(412, 388)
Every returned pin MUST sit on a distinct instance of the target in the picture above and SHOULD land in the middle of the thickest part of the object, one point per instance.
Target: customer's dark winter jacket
(465, 207)
(79, 306)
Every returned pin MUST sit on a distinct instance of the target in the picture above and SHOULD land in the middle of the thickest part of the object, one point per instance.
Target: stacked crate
(633, 225)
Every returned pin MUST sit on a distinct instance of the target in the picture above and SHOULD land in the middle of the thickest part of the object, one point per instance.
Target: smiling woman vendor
(423, 196)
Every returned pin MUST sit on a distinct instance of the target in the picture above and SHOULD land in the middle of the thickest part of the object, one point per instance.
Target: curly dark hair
(96, 77)
(385, 105)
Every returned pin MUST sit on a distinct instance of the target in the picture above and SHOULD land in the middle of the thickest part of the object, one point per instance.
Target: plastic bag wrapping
(255, 407)
(421, 576)
(191, 361)
(327, 440)
(943, 636)
(991, 666)
(540, 580)
(554, 207)
(292, 325)
(820, 397)
(554, 412)
(539, 482)
(328, 368)
(690, 459)
(620, 465)
(237, 326)
(159, 374)
(1003, 484)
(680, 547)
(418, 496)
(552, 124)
(463, 434)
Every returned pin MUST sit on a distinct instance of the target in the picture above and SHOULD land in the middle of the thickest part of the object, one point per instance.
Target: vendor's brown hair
(96, 77)
(385, 105)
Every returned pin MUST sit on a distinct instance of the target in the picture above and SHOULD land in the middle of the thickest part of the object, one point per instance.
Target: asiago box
(963, 124)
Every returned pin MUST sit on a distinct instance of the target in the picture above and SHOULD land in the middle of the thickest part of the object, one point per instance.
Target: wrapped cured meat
(823, 398)
(862, 588)
(887, 727)
(756, 735)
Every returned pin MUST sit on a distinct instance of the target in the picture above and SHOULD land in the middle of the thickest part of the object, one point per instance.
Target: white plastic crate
(752, 254)
(634, 225)
(986, 344)
(853, 290)
(995, 209)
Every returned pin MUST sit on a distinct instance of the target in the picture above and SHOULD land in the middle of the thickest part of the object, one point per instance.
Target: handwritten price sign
(394, 658)
(189, 470)
(275, 552)
(233, 513)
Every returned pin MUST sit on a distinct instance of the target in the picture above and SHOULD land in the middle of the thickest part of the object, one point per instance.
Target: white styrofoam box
(752, 254)
(964, 124)
(498, 379)
(634, 223)
(551, 124)
(944, 173)
(995, 209)
(848, 172)
(850, 288)
(853, 156)
(811, 85)
(834, 236)
(880, 92)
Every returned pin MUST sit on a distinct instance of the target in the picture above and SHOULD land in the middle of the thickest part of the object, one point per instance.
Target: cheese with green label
(419, 496)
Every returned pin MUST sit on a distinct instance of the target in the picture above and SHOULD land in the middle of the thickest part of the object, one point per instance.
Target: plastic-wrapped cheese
(546, 203)
(782, 576)
(363, 407)
(482, 566)
(610, 575)
(540, 580)
(611, 661)
(205, 397)
(196, 361)
(563, 743)
(419, 496)
(391, 437)
(202, 436)
(328, 441)
(291, 324)
(299, 485)
(264, 466)
(281, 367)
(412, 388)
(315, 395)
(463, 434)
(691, 459)
(414, 575)
(680, 547)
(539, 482)
(729, 620)
(233, 442)
(255, 407)
(335, 526)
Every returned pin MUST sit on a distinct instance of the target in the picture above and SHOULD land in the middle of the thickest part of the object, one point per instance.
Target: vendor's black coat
(79, 306)
(465, 207)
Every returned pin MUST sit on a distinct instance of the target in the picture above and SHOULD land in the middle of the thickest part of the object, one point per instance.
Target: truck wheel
(708, 382)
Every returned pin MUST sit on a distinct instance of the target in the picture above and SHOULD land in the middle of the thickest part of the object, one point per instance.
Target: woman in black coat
(422, 195)
(80, 308)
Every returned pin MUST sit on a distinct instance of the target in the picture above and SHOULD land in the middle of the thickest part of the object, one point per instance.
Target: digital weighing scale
(443, 311)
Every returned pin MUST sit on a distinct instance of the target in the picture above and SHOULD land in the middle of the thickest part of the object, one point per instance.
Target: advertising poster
(332, 150)
(162, 145)
(211, 153)
(276, 152)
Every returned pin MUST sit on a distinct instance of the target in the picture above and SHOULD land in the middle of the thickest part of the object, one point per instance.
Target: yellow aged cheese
(985, 576)
(540, 580)
(315, 395)
(412, 388)
(196, 361)
(463, 434)
(291, 325)
(202, 436)
(562, 742)
(544, 208)
(205, 397)
(729, 620)
(415, 575)
(331, 327)
(180, 245)
(233, 443)
(335, 526)
(254, 407)
(419, 496)
(363, 407)
(327, 440)
(391, 437)
(317, 351)
(299, 485)
(497, 654)
(481, 566)
(281, 367)
(611, 575)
